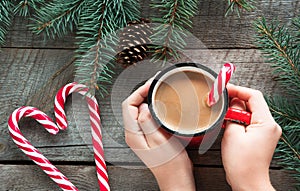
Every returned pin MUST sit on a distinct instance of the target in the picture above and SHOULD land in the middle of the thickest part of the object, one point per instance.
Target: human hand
(161, 152)
(247, 151)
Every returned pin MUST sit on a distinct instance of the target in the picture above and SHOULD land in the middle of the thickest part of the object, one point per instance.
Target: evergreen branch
(284, 109)
(97, 40)
(5, 18)
(57, 17)
(287, 151)
(297, 154)
(281, 49)
(286, 114)
(296, 24)
(24, 7)
(168, 37)
(238, 5)
(268, 32)
(90, 45)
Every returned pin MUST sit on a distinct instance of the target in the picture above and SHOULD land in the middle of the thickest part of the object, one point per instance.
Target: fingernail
(143, 107)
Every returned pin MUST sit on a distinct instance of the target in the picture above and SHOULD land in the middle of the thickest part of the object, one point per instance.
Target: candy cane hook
(51, 127)
(95, 126)
(30, 150)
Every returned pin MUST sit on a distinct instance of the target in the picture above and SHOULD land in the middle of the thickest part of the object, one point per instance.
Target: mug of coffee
(177, 101)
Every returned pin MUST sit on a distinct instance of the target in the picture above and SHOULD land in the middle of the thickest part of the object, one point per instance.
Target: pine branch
(282, 50)
(57, 18)
(286, 113)
(296, 24)
(6, 12)
(238, 5)
(287, 154)
(25, 7)
(168, 37)
(97, 41)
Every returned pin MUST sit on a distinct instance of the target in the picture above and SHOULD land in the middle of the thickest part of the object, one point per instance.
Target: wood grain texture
(44, 88)
(23, 73)
(74, 144)
(69, 145)
(20, 36)
(32, 70)
(113, 156)
(209, 25)
(131, 178)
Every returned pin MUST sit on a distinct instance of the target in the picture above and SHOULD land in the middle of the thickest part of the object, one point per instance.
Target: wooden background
(32, 70)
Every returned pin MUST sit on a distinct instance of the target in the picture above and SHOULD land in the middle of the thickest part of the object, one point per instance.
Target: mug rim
(157, 120)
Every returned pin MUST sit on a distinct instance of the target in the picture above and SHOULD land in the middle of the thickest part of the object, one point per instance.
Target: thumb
(234, 129)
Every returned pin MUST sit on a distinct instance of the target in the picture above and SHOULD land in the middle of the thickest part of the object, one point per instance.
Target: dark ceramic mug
(177, 99)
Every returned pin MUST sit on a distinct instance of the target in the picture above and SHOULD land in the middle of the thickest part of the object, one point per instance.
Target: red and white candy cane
(220, 83)
(95, 124)
(31, 151)
(42, 118)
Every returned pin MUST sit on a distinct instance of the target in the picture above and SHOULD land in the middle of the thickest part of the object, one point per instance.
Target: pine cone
(134, 42)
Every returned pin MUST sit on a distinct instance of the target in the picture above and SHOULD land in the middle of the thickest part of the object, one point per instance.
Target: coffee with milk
(180, 101)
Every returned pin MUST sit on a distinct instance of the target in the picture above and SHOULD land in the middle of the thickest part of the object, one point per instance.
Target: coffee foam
(190, 119)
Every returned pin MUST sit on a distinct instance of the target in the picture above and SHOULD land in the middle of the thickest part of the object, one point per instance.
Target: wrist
(182, 179)
(175, 175)
(183, 182)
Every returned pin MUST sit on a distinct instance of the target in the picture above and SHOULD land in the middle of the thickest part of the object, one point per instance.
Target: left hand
(161, 152)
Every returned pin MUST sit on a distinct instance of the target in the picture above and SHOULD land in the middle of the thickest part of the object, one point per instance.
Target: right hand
(163, 154)
(247, 151)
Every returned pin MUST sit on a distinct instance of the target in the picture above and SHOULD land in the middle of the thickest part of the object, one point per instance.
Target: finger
(234, 129)
(130, 107)
(162, 146)
(237, 103)
(154, 135)
(139, 95)
(161, 154)
(255, 102)
(254, 97)
(145, 120)
(135, 140)
(130, 115)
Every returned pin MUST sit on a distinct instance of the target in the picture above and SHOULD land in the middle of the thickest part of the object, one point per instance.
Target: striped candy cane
(31, 151)
(95, 124)
(220, 83)
(61, 120)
